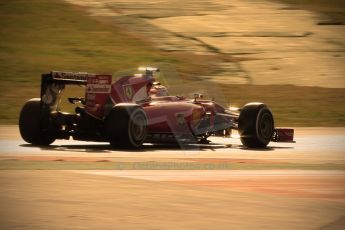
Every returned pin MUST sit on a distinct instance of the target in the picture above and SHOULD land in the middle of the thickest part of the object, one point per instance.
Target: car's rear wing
(78, 78)
(97, 90)
(53, 84)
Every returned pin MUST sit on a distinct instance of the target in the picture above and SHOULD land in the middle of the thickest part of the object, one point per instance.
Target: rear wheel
(126, 126)
(33, 125)
(255, 125)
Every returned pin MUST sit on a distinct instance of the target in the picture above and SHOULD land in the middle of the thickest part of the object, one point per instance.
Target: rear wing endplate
(53, 85)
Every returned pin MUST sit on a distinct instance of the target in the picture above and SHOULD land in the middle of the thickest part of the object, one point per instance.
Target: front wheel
(32, 122)
(255, 125)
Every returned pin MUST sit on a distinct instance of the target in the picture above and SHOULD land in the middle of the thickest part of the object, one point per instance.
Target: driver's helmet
(158, 90)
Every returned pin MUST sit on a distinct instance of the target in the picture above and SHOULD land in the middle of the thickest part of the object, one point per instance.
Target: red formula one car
(137, 109)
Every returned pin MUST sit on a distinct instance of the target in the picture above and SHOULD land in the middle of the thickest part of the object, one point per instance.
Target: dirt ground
(274, 43)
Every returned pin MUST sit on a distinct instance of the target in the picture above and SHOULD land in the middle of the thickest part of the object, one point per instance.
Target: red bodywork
(166, 114)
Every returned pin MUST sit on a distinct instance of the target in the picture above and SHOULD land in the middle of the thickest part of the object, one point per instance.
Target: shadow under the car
(103, 148)
(268, 148)
(106, 148)
(94, 148)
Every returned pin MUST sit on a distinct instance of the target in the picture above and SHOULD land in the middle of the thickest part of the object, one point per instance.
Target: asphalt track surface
(311, 145)
(176, 199)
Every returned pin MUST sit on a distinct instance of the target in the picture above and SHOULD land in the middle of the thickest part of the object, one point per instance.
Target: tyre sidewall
(118, 126)
(249, 125)
(264, 138)
(137, 140)
(30, 124)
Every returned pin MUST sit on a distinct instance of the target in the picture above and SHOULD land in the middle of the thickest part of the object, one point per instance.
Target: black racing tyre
(126, 126)
(31, 125)
(255, 125)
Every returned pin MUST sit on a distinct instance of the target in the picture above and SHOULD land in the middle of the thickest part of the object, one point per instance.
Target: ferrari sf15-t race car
(137, 109)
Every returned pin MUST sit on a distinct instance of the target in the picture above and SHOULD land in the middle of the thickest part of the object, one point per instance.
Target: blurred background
(289, 54)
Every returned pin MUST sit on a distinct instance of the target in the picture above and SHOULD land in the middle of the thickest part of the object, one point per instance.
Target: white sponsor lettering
(70, 76)
(98, 88)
